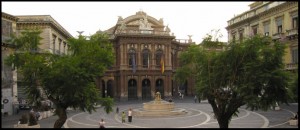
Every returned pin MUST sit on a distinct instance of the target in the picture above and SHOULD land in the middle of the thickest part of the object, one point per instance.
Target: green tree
(66, 80)
(293, 87)
(249, 73)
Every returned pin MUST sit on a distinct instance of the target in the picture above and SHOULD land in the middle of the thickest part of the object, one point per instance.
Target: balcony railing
(291, 66)
(278, 36)
(185, 41)
(292, 32)
(143, 32)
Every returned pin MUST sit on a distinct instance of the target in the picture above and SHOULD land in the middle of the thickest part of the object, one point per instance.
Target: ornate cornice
(43, 19)
(262, 14)
(10, 17)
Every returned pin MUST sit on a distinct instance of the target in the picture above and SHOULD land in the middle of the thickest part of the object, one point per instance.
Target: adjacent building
(146, 59)
(54, 40)
(9, 93)
(277, 19)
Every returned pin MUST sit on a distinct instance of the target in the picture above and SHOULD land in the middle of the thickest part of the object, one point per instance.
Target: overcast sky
(183, 18)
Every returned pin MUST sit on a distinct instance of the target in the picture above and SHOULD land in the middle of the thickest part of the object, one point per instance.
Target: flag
(162, 64)
(133, 64)
(148, 61)
(148, 64)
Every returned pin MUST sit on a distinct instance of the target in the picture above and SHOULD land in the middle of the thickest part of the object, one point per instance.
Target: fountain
(158, 107)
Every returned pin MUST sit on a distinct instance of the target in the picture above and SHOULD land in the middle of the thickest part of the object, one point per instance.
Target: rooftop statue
(122, 26)
(144, 24)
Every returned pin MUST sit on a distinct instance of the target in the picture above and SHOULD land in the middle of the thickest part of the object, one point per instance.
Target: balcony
(291, 66)
(143, 32)
(292, 32)
(184, 41)
(277, 36)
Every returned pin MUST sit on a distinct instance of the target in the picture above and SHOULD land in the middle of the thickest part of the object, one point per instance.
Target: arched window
(158, 56)
(131, 57)
(146, 58)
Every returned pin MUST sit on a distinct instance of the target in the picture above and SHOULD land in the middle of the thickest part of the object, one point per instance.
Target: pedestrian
(37, 114)
(117, 110)
(179, 95)
(123, 117)
(195, 98)
(19, 122)
(130, 115)
(199, 99)
(102, 123)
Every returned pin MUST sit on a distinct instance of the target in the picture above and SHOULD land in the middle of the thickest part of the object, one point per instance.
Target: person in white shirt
(102, 123)
(130, 115)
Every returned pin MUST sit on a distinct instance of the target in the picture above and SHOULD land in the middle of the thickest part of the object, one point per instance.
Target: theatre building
(147, 55)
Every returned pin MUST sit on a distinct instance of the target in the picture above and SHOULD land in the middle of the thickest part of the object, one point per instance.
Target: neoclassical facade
(9, 93)
(54, 40)
(143, 46)
(277, 19)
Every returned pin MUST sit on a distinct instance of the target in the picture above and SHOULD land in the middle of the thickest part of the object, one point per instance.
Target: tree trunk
(223, 121)
(62, 117)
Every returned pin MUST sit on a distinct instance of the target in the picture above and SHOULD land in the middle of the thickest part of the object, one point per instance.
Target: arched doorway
(159, 87)
(103, 88)
(109, 88)
(146, 89)
(132, 89)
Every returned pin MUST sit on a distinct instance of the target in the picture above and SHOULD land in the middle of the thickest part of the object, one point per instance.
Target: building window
(131, 57)
(254, 30)
(59, 44)
(158, 57)
(64, 51)
(266, 28)
(233, 37)
(279, 25)
(53, 43)
(146, 58)
(241, 37)
(295, 22)
(6, 28)
(295, 56)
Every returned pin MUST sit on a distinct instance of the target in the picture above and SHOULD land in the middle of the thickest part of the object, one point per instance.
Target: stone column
(122, 87)
(152, 86)
(105, 88)
(114, 88)
(138, 52)
(139, 87)
(122, 57)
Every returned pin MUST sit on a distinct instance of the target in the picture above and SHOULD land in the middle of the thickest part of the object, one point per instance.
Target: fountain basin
(158, 106)
(158, 113)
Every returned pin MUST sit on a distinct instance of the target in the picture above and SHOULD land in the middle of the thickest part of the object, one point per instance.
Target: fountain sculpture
(158, 107)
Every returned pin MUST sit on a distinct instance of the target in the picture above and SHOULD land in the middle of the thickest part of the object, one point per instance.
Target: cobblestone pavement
(199, 115)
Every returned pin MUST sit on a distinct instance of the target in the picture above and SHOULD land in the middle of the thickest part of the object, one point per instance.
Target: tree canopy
(68, 80)
(250, 73)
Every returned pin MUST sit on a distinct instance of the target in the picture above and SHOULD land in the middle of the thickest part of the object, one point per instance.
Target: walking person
(179, 95)
(199, 99)
(102, 123)
(117, 110)
(195, 98)
(130, 115)
(123, 117)
(37, 115)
